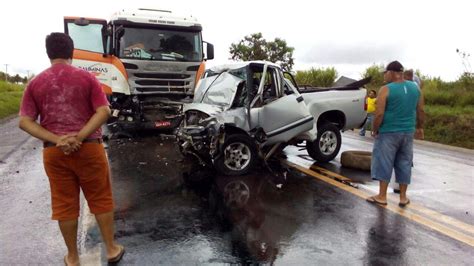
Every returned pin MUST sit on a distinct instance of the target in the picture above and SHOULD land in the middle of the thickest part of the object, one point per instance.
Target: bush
(448, 125)
(457, 93)
(374, 71)
(320, 77)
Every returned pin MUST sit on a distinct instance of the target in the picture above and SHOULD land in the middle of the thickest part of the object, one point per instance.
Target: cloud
(330, 53)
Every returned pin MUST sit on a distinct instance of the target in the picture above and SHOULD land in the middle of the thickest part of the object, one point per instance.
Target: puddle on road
(257, 211)
(163, 198)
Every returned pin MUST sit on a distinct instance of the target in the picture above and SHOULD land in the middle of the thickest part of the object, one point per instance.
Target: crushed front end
(200, 139)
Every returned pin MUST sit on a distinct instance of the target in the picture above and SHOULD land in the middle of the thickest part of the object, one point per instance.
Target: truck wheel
(327, 144)
(239, 154)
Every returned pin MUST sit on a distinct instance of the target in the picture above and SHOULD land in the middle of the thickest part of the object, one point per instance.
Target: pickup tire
(357, 159)
(238, 155)
(327, 143)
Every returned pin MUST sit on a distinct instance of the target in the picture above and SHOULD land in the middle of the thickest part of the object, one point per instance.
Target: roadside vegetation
(449, 106)
(10, 97)
(316, 77)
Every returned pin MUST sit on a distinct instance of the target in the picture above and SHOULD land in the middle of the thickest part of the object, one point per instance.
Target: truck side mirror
(209, 51)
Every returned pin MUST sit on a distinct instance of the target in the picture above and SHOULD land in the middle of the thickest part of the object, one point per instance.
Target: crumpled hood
(208, 109)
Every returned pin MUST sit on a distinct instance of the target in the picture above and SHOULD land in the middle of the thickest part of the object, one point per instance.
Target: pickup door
(281, 116)
(90, 53)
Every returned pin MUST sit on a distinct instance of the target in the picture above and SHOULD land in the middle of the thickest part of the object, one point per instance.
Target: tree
(255, 47)
(374, 71)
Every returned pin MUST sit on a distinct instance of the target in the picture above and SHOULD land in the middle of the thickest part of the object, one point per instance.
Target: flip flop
(66, 262)
(401, 204)
(117, 258)
(373, 200)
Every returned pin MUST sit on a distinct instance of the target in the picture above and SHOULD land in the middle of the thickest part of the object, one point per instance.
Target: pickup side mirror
(209, 51)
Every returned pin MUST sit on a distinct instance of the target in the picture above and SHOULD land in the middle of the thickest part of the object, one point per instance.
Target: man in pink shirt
(71, 107)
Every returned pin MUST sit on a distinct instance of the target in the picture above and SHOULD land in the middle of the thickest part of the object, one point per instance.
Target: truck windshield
(159, 44)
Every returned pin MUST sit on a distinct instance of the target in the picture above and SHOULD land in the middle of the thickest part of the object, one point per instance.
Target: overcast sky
(347, 35)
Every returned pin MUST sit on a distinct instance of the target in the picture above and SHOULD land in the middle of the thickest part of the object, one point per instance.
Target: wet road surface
(170, 212)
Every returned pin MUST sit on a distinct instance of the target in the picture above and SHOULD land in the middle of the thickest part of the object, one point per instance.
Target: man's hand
(419, 134)
(69, 144)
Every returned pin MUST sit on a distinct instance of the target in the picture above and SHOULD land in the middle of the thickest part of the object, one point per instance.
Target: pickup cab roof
(237, 65)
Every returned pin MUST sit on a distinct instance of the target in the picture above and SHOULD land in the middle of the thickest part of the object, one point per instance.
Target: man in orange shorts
(72, 107)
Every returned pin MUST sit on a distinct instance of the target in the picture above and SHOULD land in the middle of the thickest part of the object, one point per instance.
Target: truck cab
(147, 60)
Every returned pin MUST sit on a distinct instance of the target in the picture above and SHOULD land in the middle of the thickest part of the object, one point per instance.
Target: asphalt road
(170, 212)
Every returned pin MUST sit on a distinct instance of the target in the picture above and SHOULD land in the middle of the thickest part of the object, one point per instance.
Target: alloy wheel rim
(328, 143)
(237, 156)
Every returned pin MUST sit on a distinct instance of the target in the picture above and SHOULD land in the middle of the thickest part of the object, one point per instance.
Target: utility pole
(6, 72)
(27, 74)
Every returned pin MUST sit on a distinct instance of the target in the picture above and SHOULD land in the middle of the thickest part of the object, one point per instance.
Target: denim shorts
(393, 151)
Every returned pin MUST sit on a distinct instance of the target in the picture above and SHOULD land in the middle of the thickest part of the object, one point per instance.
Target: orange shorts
(86, 169)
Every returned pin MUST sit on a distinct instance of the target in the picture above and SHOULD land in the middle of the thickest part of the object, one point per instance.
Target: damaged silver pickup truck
(248, 111)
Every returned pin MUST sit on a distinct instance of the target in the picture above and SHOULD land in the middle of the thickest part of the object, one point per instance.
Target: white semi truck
(147, 60)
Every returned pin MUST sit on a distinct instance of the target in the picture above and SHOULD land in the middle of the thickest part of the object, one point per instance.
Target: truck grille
(168, 83)
(162, 83)
(158, 89)
(162, 76)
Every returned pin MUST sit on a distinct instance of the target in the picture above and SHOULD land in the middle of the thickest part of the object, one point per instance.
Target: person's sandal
(403, 204)
(373, 200)
(116, 259)
(67, 263)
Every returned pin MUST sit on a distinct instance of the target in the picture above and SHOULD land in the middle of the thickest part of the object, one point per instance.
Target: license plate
(162, 123)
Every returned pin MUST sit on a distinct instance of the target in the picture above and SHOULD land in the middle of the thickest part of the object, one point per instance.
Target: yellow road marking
(406, 212)
(413, 206)
(325, 171)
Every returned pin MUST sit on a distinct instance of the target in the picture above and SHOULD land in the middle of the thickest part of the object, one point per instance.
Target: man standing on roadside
(399, 117)
(72, 108)
(411, 76)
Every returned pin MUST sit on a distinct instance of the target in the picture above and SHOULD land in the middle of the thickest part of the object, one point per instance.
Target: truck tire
(238, 155)
(357, 159)
(327, 143)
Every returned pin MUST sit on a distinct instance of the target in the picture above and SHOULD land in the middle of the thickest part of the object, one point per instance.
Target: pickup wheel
(239, 155)
(327, 143)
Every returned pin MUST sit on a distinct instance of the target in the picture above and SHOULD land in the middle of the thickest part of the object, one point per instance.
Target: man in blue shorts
(399, 118)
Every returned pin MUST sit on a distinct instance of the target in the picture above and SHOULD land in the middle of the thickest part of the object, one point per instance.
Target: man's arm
(30, 126)
(420, 117)
(101, 115)
(379, 109)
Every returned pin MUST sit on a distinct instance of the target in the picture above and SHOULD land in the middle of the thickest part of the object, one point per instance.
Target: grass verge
(10, 97)
(450, 125)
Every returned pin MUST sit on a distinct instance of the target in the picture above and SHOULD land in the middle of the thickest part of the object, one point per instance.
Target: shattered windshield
(159, 44)
(220, 88)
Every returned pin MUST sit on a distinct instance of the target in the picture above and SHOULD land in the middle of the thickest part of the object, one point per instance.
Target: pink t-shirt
(65, 98)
